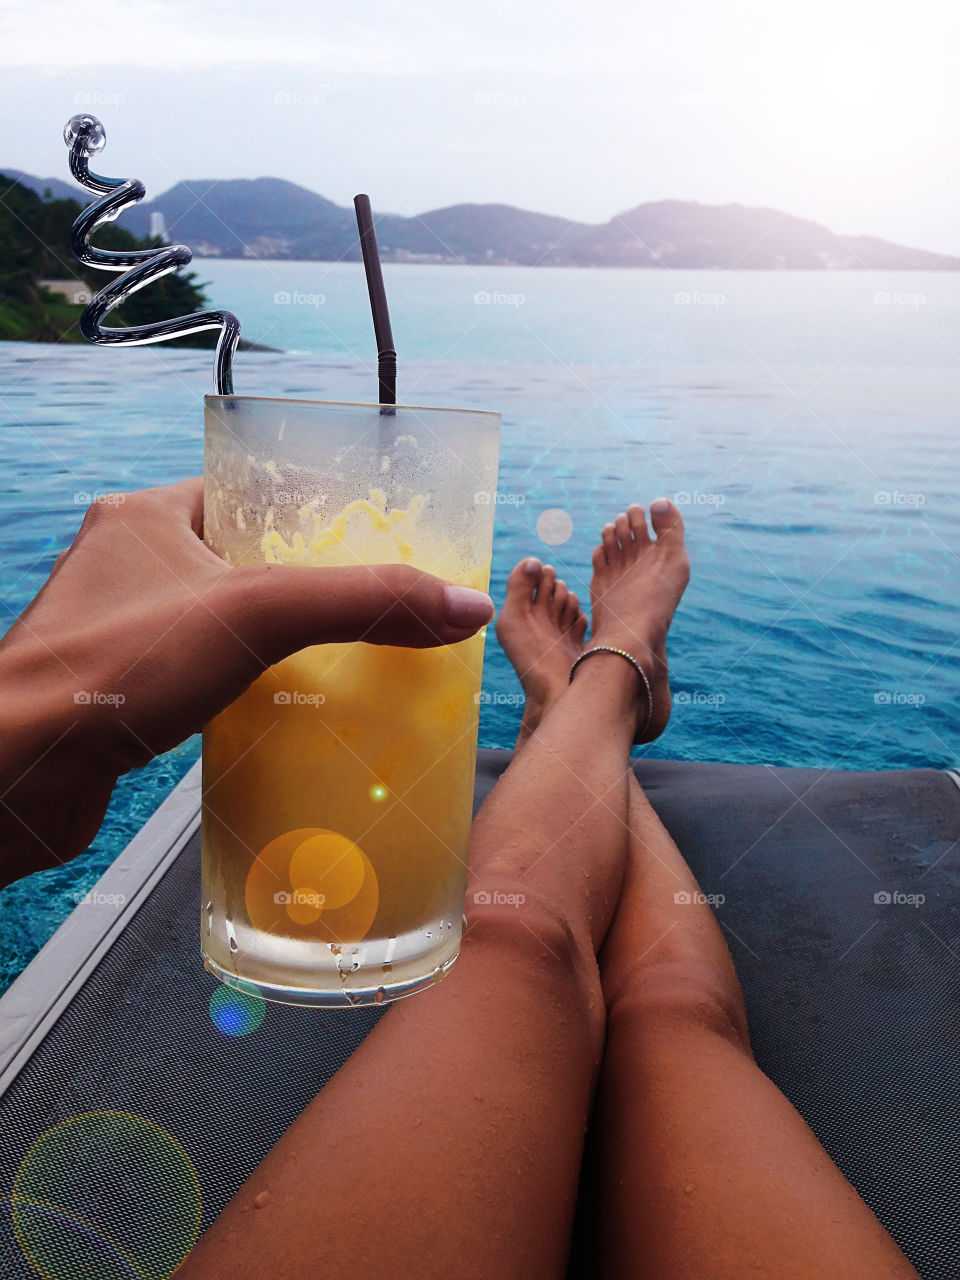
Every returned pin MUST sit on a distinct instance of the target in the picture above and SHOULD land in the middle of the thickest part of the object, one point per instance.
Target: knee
(539, 946)
(516, 917)
(679, 994)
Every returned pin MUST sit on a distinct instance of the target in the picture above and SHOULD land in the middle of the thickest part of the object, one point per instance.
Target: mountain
(475, 233)
(272, 218)
(677, 233)
(267, 216)
(58, 190)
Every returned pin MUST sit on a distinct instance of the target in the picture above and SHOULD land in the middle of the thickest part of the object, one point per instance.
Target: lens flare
(312, 883)
(106, 1194)
(554, 526)
(237, 1010)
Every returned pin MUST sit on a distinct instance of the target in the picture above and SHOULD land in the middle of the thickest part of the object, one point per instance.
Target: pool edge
(36, 998)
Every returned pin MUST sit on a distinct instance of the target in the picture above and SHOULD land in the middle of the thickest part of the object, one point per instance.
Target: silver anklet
(607, 648)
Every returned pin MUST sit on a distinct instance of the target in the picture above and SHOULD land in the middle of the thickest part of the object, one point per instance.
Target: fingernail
(466, 607)
(531, 565)
(660, 506)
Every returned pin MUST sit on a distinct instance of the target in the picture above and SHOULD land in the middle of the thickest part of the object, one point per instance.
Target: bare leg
(451, 1141)
(700, 1166)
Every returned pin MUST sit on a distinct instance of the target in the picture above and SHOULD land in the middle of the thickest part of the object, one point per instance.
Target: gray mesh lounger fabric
(853, 1003)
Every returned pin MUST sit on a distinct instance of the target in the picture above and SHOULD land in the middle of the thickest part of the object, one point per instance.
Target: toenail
(531, 565)
(660, 506)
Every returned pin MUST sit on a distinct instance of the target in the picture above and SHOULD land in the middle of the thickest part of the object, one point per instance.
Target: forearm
(54, 786)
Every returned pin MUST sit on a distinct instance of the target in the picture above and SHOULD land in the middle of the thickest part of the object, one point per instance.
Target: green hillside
(35, 245)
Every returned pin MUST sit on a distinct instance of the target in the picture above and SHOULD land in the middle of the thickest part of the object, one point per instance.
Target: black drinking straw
(386, 355)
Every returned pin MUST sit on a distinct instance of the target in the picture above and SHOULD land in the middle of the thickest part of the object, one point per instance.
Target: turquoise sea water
(807, 423)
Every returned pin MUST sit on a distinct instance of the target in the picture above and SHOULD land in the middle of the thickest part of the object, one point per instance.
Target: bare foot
(541, 628)
(637, 585)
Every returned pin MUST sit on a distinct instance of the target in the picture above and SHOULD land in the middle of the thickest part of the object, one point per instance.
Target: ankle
(614, 688)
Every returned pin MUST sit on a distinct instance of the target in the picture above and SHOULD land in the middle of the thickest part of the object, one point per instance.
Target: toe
(610, 544)
(624, 536)
(559, 601)
(548, 580)
(523, 579)
(570, 610)
(638, 525)
(666, 519)
(599, 558)
(578, 631)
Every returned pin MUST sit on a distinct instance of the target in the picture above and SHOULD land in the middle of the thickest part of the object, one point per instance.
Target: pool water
(822, 623)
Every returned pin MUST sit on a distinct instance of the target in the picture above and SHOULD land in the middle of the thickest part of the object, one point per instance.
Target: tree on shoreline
(35, 245)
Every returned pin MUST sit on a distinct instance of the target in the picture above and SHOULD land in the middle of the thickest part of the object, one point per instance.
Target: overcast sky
(846, 112)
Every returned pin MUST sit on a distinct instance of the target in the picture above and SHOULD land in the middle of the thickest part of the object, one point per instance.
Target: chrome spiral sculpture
(85, 136)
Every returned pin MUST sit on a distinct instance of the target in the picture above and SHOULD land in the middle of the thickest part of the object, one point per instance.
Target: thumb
(278, 609)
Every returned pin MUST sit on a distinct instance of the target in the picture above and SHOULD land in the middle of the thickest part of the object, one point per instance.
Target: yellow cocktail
(338, 789)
